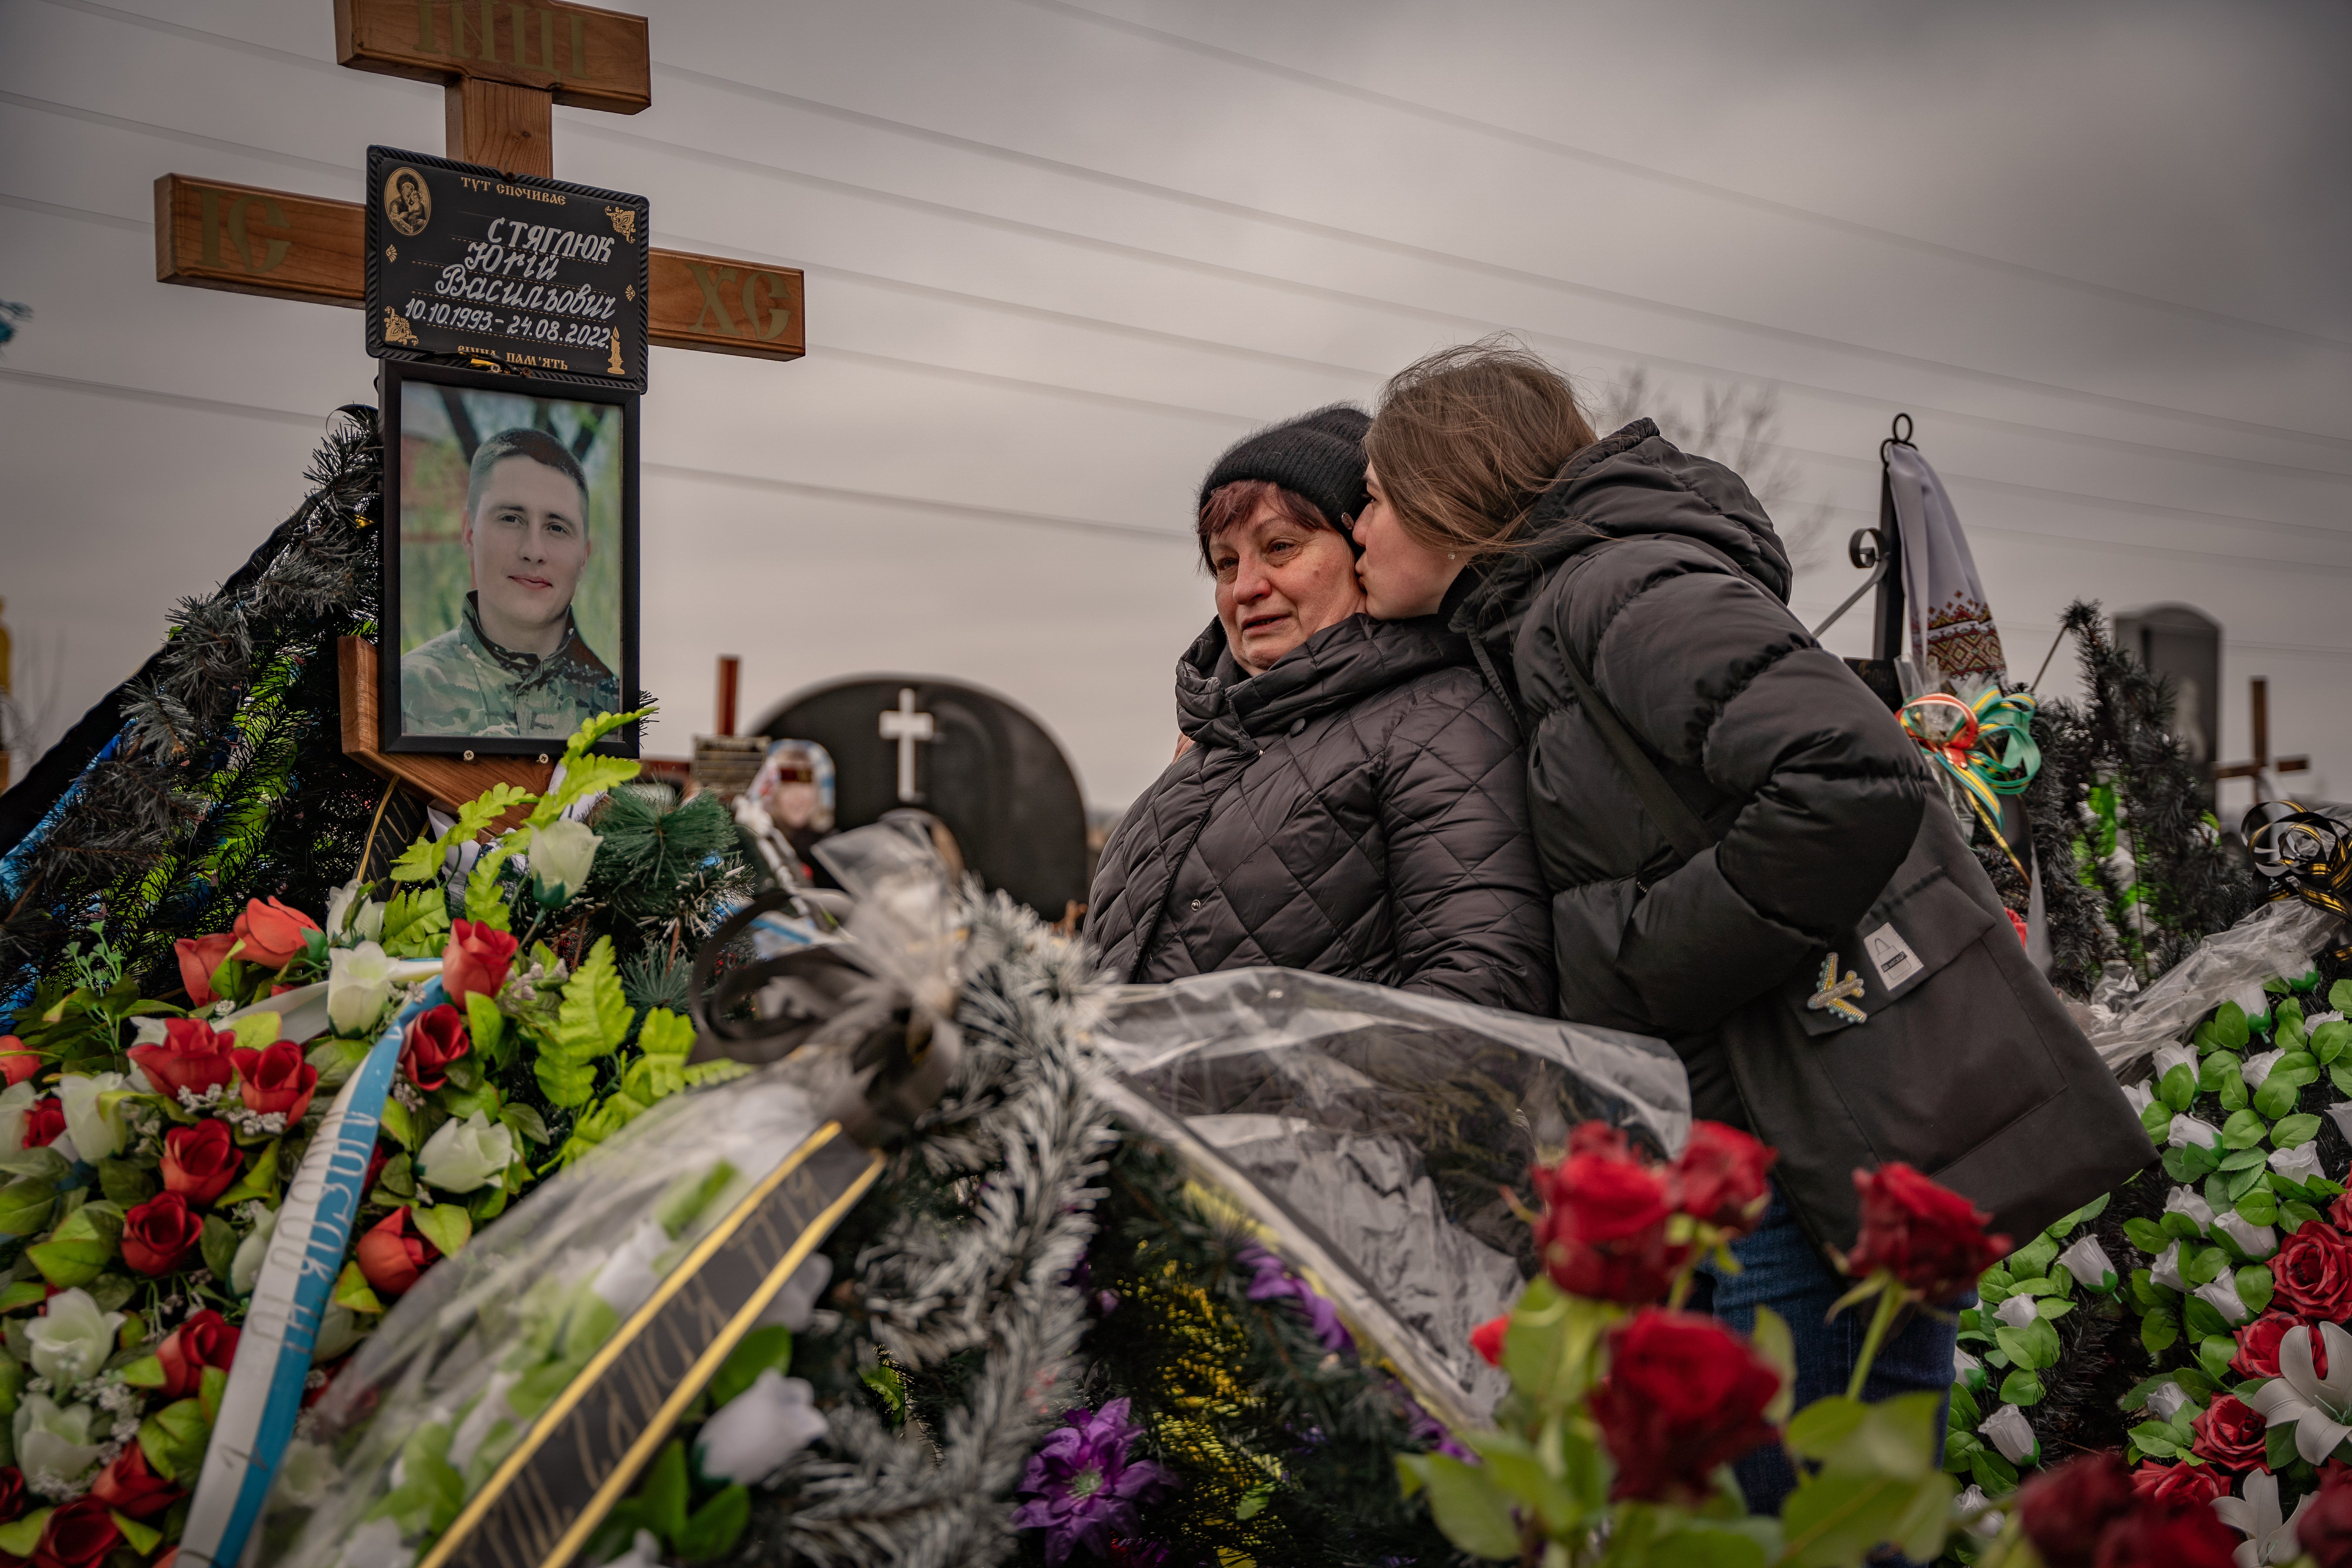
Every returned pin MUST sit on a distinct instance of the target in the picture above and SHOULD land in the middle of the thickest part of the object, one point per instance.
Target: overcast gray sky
(1060, 254)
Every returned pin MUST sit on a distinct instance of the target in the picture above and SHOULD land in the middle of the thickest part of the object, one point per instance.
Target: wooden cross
(2262, 762)
(906, 726)
(503, 67)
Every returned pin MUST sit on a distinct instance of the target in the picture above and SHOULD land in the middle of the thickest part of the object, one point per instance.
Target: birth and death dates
(529, 328)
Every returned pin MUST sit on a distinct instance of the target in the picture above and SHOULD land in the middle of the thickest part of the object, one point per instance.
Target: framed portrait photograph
(510, 566)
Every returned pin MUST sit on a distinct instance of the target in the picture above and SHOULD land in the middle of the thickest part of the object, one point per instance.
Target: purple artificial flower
(1273, 1281)
(1086, 1487)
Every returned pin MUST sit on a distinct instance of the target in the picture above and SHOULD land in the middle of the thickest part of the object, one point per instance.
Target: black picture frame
(394, 381)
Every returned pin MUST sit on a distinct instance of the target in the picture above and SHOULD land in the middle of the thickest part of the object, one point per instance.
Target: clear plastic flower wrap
(450, 1384)
(1372, 1132)
(2277, 939)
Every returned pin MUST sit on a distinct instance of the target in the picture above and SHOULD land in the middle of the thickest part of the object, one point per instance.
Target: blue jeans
(1780, 1269)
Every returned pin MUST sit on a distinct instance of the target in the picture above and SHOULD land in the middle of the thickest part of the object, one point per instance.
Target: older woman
(1348, 798)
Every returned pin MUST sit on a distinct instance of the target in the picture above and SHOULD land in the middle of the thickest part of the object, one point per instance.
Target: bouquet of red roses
(1625, 1412)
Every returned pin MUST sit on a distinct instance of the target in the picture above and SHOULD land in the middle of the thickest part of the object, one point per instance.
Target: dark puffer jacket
(1663, 574)
(1358, 809)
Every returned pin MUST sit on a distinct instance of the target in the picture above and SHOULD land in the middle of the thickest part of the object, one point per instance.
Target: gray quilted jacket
(1359, 809)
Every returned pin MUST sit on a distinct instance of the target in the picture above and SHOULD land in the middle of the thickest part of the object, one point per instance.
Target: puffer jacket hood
(1631, 484)
(1358, 809)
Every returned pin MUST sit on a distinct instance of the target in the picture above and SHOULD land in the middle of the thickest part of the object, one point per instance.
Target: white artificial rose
(54, 1441)
(2189, 1130)
(72, 1340)
(2018, 1312)
(466, 1156)
(359, 983)
(2221, 1295)
(796, 1302)
(2167, 1057)
(627, 1277)
(2300, 1163)
(339, 906)
(14, 1102)
(2257, 1068)
(645, 1551)
(96, 1134)
(244, 1269)
(2011, 1433)
(560, 854)
(755, 1433)
(2089, 1264)
(148, 1032)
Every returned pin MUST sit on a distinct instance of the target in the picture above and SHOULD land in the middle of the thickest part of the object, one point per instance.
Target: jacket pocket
(1920, 923)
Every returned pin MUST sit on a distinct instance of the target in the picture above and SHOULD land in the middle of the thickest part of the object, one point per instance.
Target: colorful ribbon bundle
(2306, 855)
(1987, 747)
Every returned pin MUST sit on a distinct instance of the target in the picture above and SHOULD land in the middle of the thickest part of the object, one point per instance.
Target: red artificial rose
(1602, 1234)
(2066, 1510)
(17, 1063)
(2173, 1535)
(2324, 1531)
(2179, 1483)
(44, 1122)
(79, 1535)
(1720, 1179)
(274, 935)
(199, 956)
(2339, 1213)
(2314, 1271)
(2229, 1435)
(393, 1253)
(277, 1079)
(200, 1162)
(130, 1486)
(1926, 1236)
(1487, 1338)
(436, 1038)
(13, 1506)
(477, 959)
(159, 1235)
(193, 1056)
(1683, 1395)
(205, 1340)
(2258, 1346)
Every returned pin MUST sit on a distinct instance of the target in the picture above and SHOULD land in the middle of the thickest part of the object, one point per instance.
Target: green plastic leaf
(2339, 996)
(259, 1181)
(218, 1245)
(2230, 1030)
(2293, 1131)
(20, 1538)
(122, 1182)
(2158, 1330)
(1777, 1348)
(417, 923)
(2201, 1319)
(2156, 1118)
(592, 1018)
(173, 1439)
(2021, 1387)
(715, 1527)
(1472, 1510)
(2217, 1067)
(143, 1539)
(2255, 1287)
(24, 1205)
(2260, 1206)
(1838, 1518)
(2278, 1445)
(2328, 1041)
(760, 1350)
(400, 1125)
(353, 1291)
(2145, 1235)
(446, 1225)
(485, 1026)
(2179, 1088)
(2244, 1130)
(422, 859)
(663, 1498)
(2276, 1097)
(2294, 1215)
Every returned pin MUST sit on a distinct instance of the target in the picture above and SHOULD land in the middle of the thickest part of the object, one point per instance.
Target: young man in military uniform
(515, 666)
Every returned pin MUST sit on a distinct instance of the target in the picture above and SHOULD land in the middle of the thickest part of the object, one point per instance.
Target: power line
(1431, 255)
(1680, 182)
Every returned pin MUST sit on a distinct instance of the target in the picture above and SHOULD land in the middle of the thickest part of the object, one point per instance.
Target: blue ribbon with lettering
(290, 1297)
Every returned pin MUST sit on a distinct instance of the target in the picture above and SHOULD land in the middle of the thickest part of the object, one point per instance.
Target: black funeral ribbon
(2304, 855)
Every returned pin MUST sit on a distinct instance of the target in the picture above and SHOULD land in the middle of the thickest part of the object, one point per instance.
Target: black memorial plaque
(469, 266)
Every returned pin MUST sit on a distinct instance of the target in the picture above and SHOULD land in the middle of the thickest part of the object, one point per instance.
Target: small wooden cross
(503, 67)
(2262, 764)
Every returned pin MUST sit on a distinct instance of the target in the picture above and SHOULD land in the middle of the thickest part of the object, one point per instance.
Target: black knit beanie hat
(1318, 455)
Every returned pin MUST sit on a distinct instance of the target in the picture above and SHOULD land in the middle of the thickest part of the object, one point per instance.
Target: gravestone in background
(982, 766)
(2184, 643)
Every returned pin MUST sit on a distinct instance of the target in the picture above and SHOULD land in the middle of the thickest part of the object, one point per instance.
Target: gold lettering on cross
(780, 313)
(712, 305)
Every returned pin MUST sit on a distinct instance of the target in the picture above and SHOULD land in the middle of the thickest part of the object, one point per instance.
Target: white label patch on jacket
(1891, 956)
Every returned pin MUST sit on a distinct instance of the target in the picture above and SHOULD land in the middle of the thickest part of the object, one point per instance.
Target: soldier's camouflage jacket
(461, 683)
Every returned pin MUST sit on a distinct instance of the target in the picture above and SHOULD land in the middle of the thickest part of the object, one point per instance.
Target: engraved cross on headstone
(906, 726)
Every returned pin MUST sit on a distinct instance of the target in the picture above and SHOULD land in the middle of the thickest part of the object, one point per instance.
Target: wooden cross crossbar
(503, 66)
